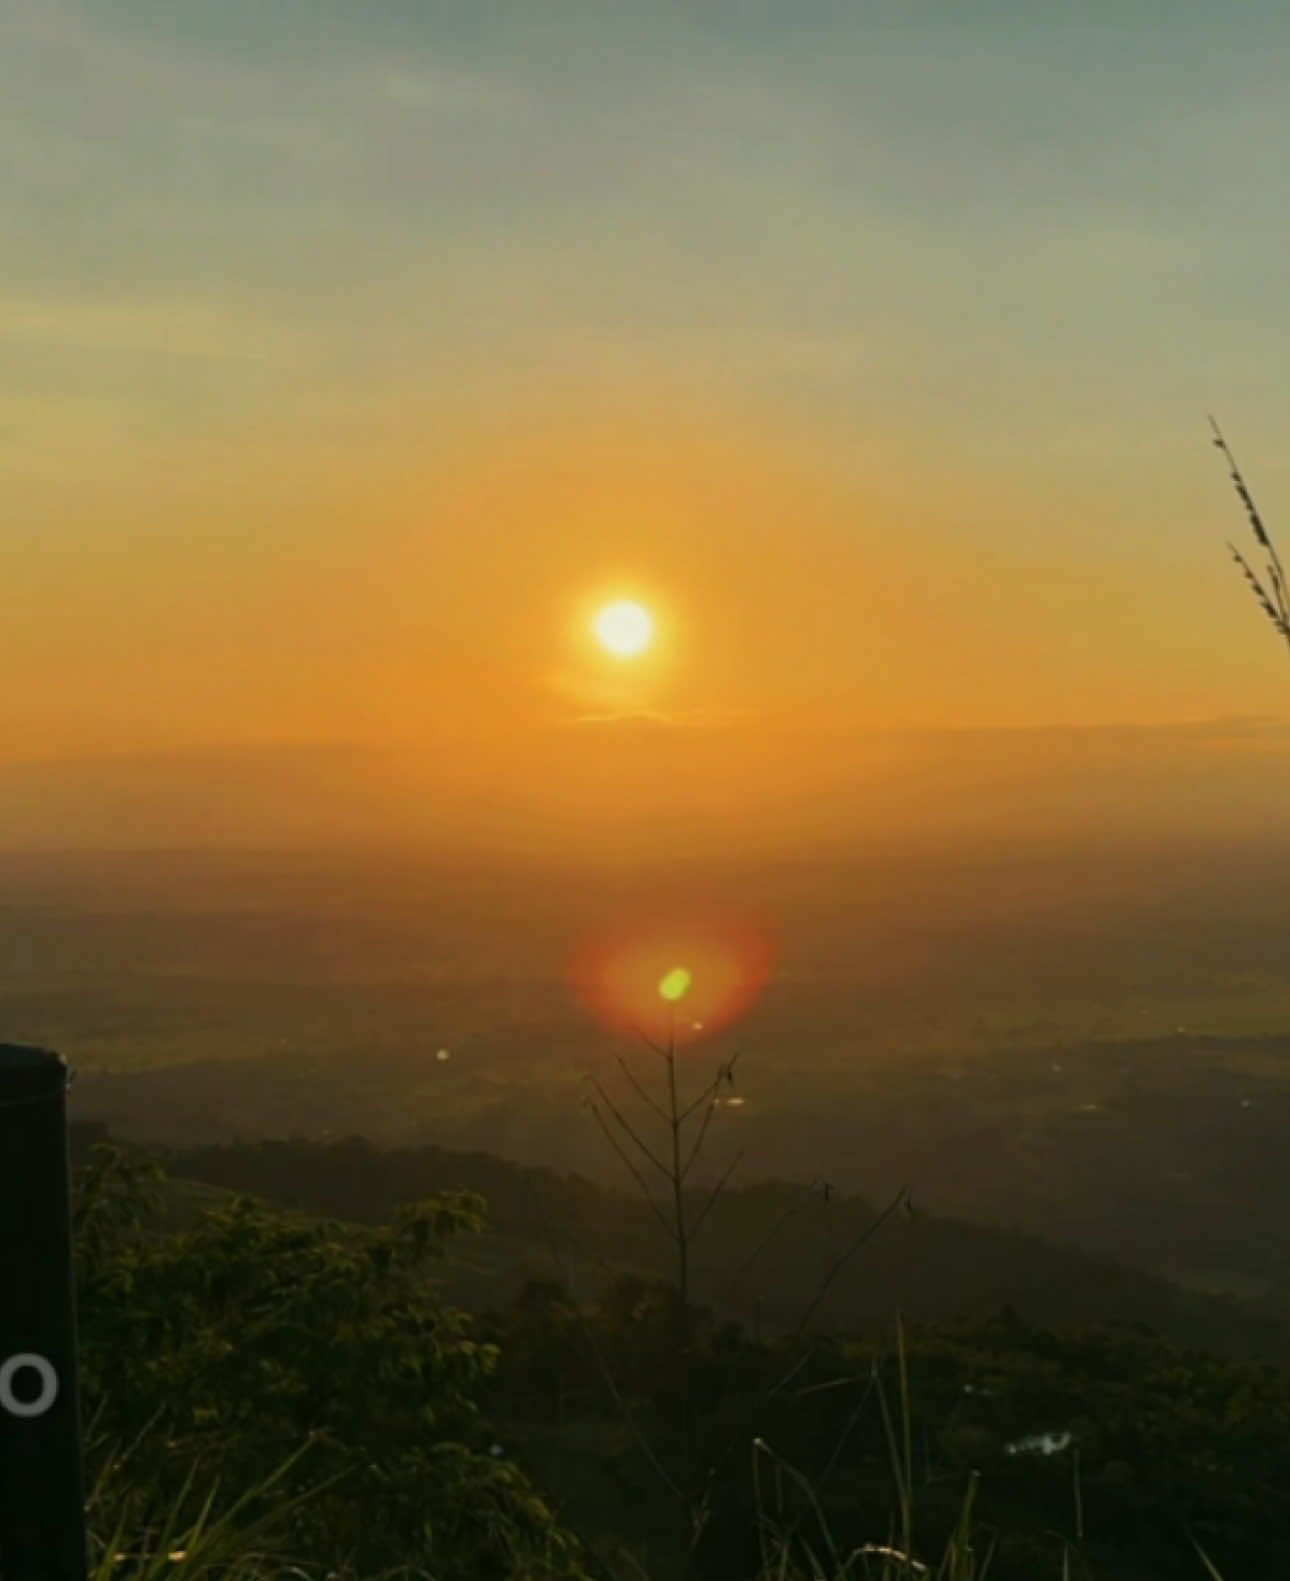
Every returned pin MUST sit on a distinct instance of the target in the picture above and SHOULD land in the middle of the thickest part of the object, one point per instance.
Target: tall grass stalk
(1211, 1569)
(243, 1542)
(786, 1556)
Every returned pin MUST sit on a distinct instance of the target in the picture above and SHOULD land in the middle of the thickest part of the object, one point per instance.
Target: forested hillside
(476, 1446)
(763, 1246)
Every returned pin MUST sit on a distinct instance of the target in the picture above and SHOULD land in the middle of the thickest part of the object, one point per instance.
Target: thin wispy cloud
(179, 329)
(674, 719)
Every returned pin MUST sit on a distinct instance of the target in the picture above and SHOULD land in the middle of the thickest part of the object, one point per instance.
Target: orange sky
(281, 594)
(427, 608)
(874, 358)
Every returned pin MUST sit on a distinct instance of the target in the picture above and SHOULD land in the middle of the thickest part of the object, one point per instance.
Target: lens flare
(634, 977)
(675, 984)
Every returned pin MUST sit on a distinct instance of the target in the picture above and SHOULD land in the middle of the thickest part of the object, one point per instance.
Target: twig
(725, 1077)
(715, 1193)
(627, 1127)
(630, 1165)
(645, 1098)
(611, 1384)
(845, 1256)
(703, 1129)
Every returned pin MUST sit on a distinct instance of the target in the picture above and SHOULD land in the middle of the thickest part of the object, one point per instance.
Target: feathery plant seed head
(1272, 595)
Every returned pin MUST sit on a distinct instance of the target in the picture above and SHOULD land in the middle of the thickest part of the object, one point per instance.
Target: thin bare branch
(725, 1076)
(700, 1134)
(847, 1253)
(654, 1048)
(715, 1193)
(705, 1097)
(616, 1394)
(794, 1368)
(644, 1097)
(628, 1129)
(788, 1213)
(630, 1165)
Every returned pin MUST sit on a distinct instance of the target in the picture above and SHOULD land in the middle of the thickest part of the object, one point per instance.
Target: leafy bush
(228, 1345)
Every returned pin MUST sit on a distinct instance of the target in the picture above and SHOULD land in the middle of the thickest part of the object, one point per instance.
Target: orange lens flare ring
(678, 978)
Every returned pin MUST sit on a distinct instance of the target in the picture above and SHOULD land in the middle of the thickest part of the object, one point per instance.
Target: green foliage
(213, 1354)
(1166, 1445)
(228, 1345)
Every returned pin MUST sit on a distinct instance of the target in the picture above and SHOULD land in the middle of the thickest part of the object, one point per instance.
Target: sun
(624, 628)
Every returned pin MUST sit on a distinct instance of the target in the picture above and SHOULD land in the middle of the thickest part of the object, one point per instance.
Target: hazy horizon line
(387, 746)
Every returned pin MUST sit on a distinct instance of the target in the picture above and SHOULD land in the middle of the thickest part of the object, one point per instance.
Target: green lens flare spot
(675, 984)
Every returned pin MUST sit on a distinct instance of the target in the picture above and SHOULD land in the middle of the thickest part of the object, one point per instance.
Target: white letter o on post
(28, 1361)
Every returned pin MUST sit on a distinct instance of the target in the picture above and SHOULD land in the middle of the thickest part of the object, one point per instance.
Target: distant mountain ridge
(765, 1250)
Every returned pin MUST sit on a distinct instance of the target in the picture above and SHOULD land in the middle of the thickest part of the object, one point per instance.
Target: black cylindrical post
(42, 1518)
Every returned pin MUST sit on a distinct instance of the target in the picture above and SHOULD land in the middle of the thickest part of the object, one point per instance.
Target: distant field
(1168, 1154)
(130, 964)
(1089, 1052)
(145, 1011)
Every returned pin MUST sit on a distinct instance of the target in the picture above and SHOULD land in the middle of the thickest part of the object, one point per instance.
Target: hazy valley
(1091, 1052)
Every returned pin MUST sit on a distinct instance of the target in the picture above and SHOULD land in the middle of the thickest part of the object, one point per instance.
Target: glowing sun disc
(625, 628)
